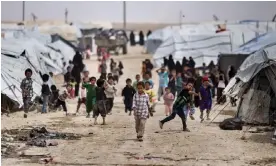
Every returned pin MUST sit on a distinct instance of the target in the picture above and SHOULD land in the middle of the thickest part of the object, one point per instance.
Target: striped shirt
(140, 105)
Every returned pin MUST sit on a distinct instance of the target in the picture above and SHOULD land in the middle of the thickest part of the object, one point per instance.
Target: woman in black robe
(191, 63)
(141, 38)
(211, 66)
(178, 67)
(171, 64)
(132, 38)
(149, 33)
(165, 61)
(184, 62)
(77, 70)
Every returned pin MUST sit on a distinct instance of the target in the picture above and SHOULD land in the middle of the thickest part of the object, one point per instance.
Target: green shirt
(91, 91)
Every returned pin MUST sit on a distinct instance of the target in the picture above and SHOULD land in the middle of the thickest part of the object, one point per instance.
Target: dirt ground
(115, 143)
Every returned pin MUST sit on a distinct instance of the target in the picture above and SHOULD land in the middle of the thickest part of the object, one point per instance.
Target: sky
(150, 11)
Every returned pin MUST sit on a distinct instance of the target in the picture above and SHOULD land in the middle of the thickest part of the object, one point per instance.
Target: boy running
(182, 101)
(90, 95)
(101, 106)
(127, 94)
(140, 108)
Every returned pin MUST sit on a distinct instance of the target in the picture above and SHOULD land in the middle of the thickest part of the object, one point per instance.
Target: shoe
(160, 125)
(25, 115)
(140, 139)
(129, 114)
(186, 130)
(201, 116)
(192, 117)
(88, 116)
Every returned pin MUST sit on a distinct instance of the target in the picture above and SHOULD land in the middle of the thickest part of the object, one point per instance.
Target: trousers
(140, 126)
(180, 113)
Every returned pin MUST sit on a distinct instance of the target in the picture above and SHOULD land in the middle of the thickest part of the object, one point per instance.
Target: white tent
(201, 40)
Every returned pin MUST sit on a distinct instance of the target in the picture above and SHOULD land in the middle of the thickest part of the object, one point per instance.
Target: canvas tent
(201, 41)
(255, 85)
(237, 57)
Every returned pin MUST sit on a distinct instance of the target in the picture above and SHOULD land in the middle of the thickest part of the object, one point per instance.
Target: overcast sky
(159, 12)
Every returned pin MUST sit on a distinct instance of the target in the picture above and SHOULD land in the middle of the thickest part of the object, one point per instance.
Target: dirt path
(115, 144)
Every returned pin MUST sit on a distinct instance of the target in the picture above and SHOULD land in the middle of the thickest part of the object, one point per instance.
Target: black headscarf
(178, 67)
(149, 33)
(191, 62)
(78, 67)
(132, 38)
(141, 38)
(171, 64)
(184, 62)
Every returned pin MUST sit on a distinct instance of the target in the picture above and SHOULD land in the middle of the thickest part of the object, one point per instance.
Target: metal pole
(124, 13)
(23, 11)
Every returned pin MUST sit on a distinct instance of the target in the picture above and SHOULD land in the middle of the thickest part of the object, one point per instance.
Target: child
(53, 96)
(103, 69)
(140, 108)
(67, 76)
(85, 76)
(168, 100)
(82, 98)
(152, 97)
(172, 82)
(137, 77)
(121, 67)
(127, 94)
(45, 93)
(27, 90)
(110, 91)
(191, 109)
(61, 101)
(101, 106)
(182, 101)
(205, 96)
(147, 79)
(115, 72)
(70, 91)
(90, 95)
(163, 81)
(72, 82)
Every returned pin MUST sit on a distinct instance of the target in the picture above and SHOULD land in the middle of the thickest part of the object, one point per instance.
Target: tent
(201, 41)
(237, 57)
(255, 85)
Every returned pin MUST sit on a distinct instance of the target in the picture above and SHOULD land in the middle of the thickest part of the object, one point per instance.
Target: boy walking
(45, 92)
(127, 94)
(205, 95)
(141, 110)
(182, 102)
(27, 90)
(90, 95)
(101, 106)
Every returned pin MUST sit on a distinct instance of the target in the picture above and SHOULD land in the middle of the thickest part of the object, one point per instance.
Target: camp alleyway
(115, 143)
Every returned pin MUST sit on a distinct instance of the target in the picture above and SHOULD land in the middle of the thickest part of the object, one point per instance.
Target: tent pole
(23, 11)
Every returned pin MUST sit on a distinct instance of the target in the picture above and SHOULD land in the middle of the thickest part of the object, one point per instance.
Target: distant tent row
(201, 41)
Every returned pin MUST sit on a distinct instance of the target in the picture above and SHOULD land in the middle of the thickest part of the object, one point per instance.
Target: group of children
(139, 96)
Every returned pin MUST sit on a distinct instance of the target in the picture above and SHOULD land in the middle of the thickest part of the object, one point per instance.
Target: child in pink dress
(168, 100)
